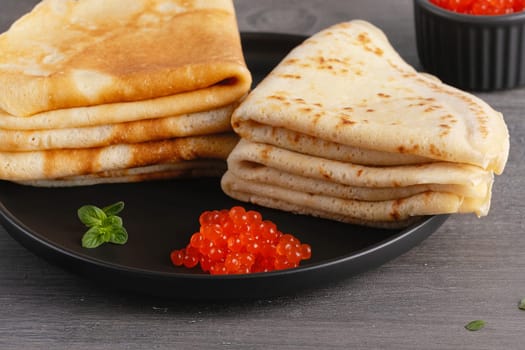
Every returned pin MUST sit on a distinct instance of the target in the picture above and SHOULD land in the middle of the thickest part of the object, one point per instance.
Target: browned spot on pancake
(317, 104)
(305, 109)
(299, 100)
(291, 61)
(394, 213)
(77, 161)
(378, 51)
(435, 151)
(359, 172)
(325, 173)
(366, 42)
(346, 121)
(447, 117)
(156, 152)
(401, 149)
(316, 117)
(396, 184)
(333, 65)
(277, 97)
(408, 75)
(349, 109)
(381, 94)
(445, 130)
(363, 38)
(150, 130)
(290, 76)
(446, 125)
(370, 110)
(265, 153)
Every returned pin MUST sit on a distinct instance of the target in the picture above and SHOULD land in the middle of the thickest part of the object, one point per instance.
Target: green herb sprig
(521, 304)
(104, 225)
(475, 325)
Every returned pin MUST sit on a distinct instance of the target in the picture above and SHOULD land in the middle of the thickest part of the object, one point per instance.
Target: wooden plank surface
(469, 269)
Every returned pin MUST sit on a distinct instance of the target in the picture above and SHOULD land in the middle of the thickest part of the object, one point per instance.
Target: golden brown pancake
(98, 91)
(68, 53)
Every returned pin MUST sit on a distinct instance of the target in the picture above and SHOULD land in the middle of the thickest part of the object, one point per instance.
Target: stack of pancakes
(104, 91)
(344, 129)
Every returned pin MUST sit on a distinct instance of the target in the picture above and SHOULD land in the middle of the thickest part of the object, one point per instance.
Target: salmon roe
(482, 7)
(237, 241)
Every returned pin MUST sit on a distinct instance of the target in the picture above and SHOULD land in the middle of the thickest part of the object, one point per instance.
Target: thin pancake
(252, 155)
(385, 214)
(51, 164)
(68, 53)
(192, 124)
(306, 144)
(182, 169)
(347, 85)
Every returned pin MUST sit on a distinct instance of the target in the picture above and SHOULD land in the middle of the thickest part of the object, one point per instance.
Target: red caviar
(238, 241)
(482, 7)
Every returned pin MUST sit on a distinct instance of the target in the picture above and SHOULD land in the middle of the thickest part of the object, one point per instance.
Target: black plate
(161, 216)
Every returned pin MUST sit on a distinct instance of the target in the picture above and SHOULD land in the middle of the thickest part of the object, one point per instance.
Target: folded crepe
(344, 129)
(80, 79)
(159, 171)
(74, 53)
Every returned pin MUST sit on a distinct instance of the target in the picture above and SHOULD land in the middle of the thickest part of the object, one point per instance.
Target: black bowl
(471, 52)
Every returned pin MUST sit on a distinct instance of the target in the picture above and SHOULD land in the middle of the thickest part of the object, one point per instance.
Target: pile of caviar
(482, 7)
(237, 241)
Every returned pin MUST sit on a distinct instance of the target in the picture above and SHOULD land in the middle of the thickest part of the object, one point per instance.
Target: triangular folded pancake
(68, 53)
(344, 129)
(54, 164)
(348, 85)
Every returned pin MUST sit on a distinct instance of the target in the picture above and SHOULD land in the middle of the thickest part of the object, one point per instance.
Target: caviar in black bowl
(471, 52)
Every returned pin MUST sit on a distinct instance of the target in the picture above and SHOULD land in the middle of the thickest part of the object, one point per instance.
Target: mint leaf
(119, 235)
(91, 215)
(112, 221)
(113, 209)
(104, 225)
(475, 325)
(92, 238)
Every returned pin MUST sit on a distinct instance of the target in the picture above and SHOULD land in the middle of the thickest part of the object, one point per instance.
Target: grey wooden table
(469, 269)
